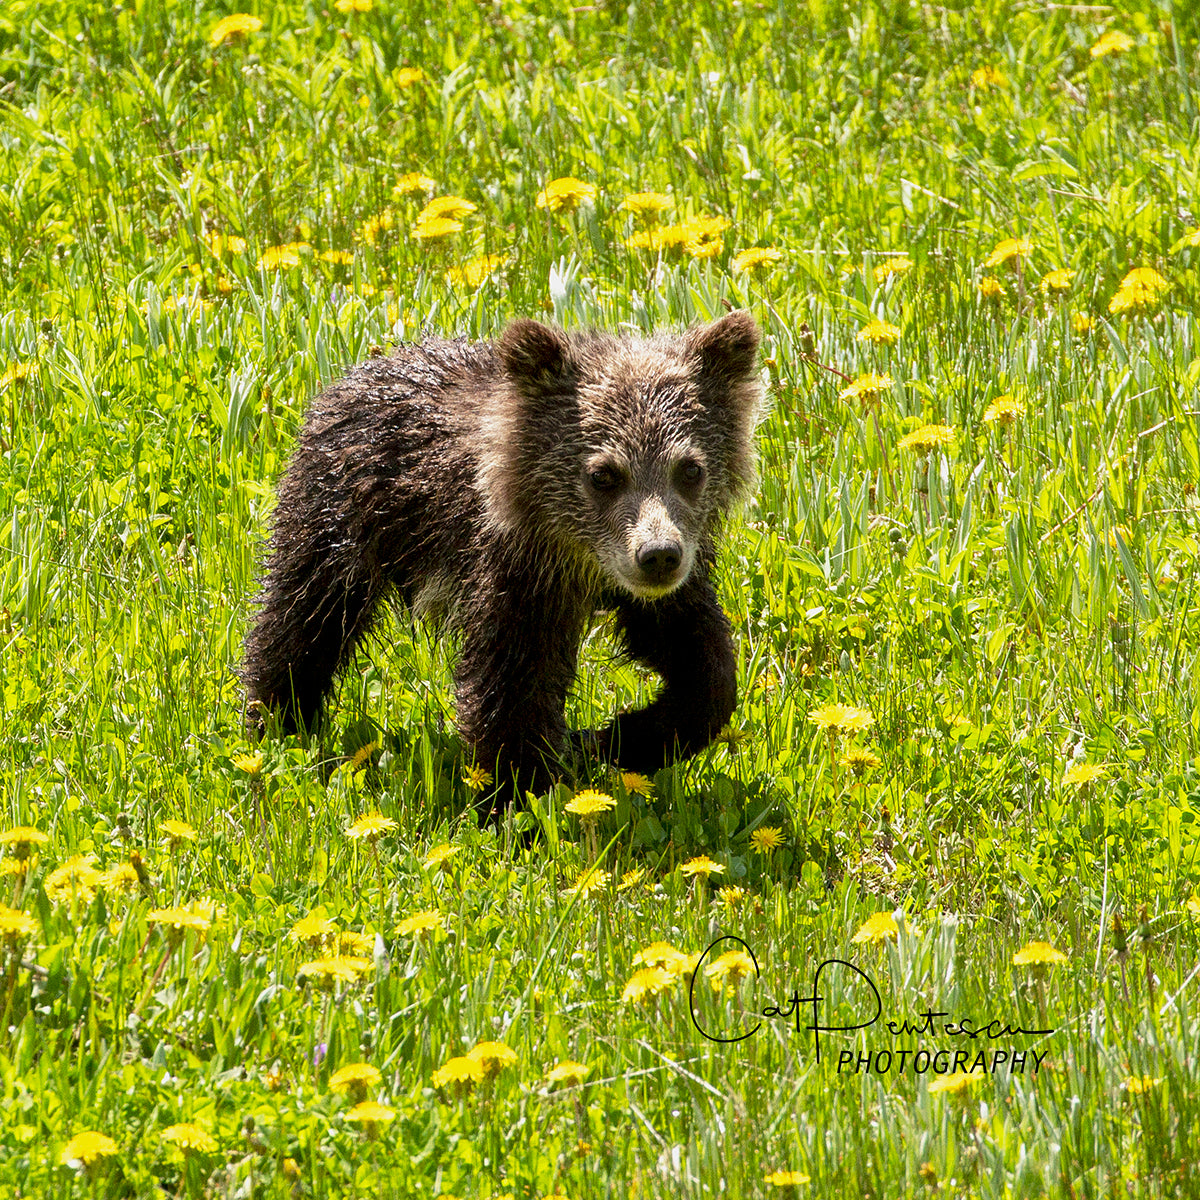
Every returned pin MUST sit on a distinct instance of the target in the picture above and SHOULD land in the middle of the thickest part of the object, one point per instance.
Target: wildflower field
(940, 876)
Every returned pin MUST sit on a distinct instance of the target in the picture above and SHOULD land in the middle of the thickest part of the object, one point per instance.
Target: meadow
(963, 770)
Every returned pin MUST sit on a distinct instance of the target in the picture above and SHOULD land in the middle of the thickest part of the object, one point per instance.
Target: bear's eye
(691, 472)
(604, 479)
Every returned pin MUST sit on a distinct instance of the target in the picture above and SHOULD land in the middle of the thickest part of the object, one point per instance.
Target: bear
(510, 489)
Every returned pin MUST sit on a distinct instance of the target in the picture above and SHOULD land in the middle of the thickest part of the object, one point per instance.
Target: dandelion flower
(370, 230)
(786, 1179)
(1004, 410)
(224, 243)
(658, 954)
(568, 1072)
(476, 777)
(564, 195)
(1112, 42)
(461, 1072)
(454, 207)
(1057, 281)
(420, 922)
(990, 288)
(731, 896)
(730, 968)
(189, 1137)
(355, 1079)
(866, 387)
(703, 866)
(371, 827)
(927, 438)
(631, 878)
(1007, 249)
(472, 274)
(353, 6)
(880, 333)
(766, 838)
(955, 1083)
(1081, 323)
(1080, 774)
(232, 27)
(250, 763)
(23, 838)
(876, 928)
(411, 182)
(899, 264)
(197, 916)
(493, 1057)
(345, 967)
(339, 258)
(355, 944)
(313, 928)
(87, 1148)
(15, 925)
(360, 757)
(16, 373)
(121, 877)
(407, 77)
(175, 833)
(1139, 1085)
(287, 255)
(646, 984)
(593, 879)
(1140, 290)
(370, 1114)
(841, 718)
(859, 760)
(1037, 954)
(756, 259)
(637, 784)
(439, 856)
(646, 204)
(987, 77)
(436, 228)
(76, 879)
(589, 804)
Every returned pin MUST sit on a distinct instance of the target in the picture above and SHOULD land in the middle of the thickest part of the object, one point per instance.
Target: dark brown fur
(512, 488)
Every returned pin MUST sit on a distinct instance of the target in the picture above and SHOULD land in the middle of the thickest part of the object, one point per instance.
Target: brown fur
(511, 489)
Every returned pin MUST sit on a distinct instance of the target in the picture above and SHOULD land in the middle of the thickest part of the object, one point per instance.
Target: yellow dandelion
(454, 207)
(990, 288)
(439, 856)
(76, 879)
(1080, 774)
(411, 182)
(493, 1057)
(313, 928)
(21, 839)
(407, 77)
(866, 387)
(233, 26)
(355, 944)
(371, 827)
(786, 1179)
(252, 764)
(637, 784)
(703, 866)
(15, 925)
(1004, 410)
(589, 804)
(1112, 42)
(880, 333)
(476, 777)
(1139, 1085)
(898, 265)
(955, 1083)
(121, 877)
(646, 984)
(17, 373)
(420, 922)
(860, 760)
(189, 1137)
(646, 204)
(175, 833)
(461, 1072)
(369, 1114)
(339, 258)
(658, 954)
(223, 243)
(766, 838)
(87, 1148)
(370, 230)
(355, 1079)
(841, 718)
(1008, 248)
(564, 195)
(473, 272)
(568, 1072)
(1057, 281)
(334, 967)
(196, 916)
(729, 969)
(1081, 323)
(353, 6)
(704, 247)
(731, 896)
(1141, 289)
(756, 259)
(927, 438)
(987, 77)
(876, 928)
(274, 257)
(593, 879)
(631, 878)
(1038, 954)
(436, 228)
(359, 759)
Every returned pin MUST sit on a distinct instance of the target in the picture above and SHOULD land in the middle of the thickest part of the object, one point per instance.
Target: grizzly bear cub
(512, 489)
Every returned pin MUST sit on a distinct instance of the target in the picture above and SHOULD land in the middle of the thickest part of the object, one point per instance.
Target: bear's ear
(534, 354)
(726, 348)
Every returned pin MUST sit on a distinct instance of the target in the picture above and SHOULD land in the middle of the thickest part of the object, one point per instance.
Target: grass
(1016, 607)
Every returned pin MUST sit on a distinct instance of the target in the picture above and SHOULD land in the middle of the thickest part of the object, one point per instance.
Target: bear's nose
(659, 560)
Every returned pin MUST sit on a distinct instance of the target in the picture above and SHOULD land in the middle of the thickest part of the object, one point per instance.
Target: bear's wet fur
(511, 489)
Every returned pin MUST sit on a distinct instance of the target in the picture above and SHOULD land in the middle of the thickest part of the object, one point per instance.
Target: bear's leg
(312, 611)
(685, 637)
(519, 656)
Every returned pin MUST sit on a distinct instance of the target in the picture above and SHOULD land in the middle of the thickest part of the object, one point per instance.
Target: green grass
(1015, 603)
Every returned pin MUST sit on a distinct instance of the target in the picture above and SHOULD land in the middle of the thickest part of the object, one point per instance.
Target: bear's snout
(658, 561)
